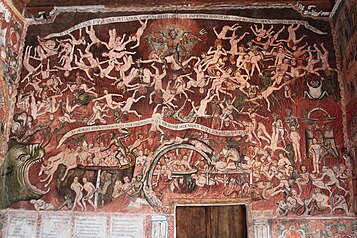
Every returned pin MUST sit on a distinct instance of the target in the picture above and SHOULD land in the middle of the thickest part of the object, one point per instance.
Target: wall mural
(128, 113)
(10, 33)
(344, 22)
(317, 228)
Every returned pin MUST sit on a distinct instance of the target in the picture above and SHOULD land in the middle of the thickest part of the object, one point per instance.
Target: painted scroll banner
(109, 20)
(55, 226)
(171, 126)
(21, 224)
(127, 227)
(90, 226)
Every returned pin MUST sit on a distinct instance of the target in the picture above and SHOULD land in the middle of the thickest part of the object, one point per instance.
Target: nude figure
(68, 111)
(266, 93)
(88, 56)
(180, 86)
(240, 59)
(213, 56)
(278, 128)
(105, 72)
(80, 41)
(108, 97)
(270, 42)
(303, 179)
(201, 79)
(70, 161)
(27, 65)
(323, 55)
(52, 84)
(137, 36)
(65, 59)
(51, 165)
(51, 104)
(280, 72)
(295, 139)
(223, 33)
(254, 58)
(261, 33)
(292, 40)
(98, 114)
(202, 108)
(127, 64)
(35, 83)
(315, 150)
(220, 77)
(36, 107)
(233, 41)
(155, 126)
(157, 78)
(127, 79)
(284, 164)
(115, 55)
(127, 108)
(242, 81)
(311, 63)
(120, 44)
(90, 189)
(138, 142)
(77, 188)
(227, 110)
(93, 37)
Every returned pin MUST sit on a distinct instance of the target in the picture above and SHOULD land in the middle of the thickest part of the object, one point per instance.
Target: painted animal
(14, 181)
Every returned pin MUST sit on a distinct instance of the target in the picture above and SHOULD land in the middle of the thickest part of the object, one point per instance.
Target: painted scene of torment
(130, 113)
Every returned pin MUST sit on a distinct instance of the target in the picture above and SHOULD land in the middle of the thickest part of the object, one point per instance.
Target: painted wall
(345, 22)
(10, 34)
(134, 113)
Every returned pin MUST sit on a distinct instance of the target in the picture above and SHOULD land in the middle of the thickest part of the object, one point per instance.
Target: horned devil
(315, 89)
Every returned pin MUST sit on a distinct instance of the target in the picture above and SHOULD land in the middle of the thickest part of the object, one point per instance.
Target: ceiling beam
(32, 7)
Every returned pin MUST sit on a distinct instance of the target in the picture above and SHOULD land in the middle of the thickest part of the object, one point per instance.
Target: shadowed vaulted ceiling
(31, 8)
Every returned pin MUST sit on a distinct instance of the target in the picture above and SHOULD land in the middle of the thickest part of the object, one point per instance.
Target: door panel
(228, 221)
(211, 221)
(191, 222)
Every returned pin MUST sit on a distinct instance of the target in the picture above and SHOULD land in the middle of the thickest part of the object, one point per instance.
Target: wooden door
(211, 222)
